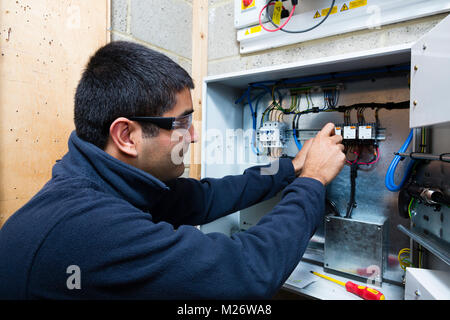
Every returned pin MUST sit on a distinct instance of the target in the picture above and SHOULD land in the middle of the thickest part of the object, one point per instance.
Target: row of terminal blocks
(274, 134)
(357, 131)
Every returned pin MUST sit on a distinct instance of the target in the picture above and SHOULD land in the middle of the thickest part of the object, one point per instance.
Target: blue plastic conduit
(299, 145)
(389, 180)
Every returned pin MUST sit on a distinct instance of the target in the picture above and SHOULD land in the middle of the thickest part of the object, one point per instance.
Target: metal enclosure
(356, 247)
(371, 238)
(422, 284)
(224, 154)
(430, 73)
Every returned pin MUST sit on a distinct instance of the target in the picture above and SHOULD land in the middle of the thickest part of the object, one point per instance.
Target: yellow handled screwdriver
(361, 291)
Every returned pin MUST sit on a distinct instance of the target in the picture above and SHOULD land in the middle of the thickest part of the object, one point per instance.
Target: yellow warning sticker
(277, 12)
(344, 7)
(317, 15)
(333, 11)
(244, 7)
(253, 30)
(357, 3)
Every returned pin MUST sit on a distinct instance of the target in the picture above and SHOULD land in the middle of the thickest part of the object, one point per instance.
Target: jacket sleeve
(122, 254)
(195, 202)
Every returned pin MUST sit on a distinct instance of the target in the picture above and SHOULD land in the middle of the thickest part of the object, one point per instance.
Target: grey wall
(165, 26)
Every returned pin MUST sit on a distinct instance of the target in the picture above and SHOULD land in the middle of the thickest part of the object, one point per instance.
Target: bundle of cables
(294, 4)
(389, 179)
(404, 258)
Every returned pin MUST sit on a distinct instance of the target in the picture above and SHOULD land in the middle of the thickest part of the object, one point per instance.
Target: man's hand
(325, 158)
(299, 159)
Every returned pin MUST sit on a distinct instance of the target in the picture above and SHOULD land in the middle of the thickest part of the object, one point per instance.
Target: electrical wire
(297, 142)
(404, 261)
(293, 31)
(255, 148)
(352, 202)
(389, 179)
(376, 156)
(420, 256)
(410, 206)
(331, 206)
(266, 7)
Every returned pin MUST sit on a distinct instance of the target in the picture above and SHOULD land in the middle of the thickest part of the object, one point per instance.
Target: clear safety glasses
(168, 123)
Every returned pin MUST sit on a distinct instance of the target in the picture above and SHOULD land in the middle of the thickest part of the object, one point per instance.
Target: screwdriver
(362, 291)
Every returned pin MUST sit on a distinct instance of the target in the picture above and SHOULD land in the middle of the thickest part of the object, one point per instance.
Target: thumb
(327, 130)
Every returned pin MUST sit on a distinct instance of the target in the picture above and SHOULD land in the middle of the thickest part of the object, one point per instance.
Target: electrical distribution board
(389, 182)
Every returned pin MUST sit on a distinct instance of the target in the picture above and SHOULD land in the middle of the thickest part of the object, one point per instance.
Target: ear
(125, 135)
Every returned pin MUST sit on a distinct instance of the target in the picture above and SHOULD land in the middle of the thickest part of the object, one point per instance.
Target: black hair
(125, 79)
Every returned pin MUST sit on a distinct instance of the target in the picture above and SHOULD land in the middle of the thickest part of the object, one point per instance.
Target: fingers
(308, 144)
(336, 138)
(327, 130)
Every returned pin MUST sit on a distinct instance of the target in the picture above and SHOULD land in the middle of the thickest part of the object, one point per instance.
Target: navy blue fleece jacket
(134, 237)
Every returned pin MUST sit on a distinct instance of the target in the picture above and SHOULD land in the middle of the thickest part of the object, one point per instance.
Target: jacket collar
(87, 161)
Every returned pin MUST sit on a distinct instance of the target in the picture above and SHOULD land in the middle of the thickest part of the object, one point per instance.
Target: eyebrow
(186, 112)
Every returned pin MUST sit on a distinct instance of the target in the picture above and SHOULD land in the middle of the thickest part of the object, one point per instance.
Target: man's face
(162, 156)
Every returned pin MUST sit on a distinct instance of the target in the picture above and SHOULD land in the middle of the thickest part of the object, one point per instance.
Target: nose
(193, 134)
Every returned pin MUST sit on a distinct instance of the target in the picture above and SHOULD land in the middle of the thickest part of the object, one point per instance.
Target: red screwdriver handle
(364, 292)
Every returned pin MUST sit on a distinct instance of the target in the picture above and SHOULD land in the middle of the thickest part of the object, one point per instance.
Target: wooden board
(44, 46)
(199, 71)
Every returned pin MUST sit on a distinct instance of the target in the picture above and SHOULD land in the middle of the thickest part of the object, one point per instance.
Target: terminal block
(273, 134)
(357, 132)
(367, 131)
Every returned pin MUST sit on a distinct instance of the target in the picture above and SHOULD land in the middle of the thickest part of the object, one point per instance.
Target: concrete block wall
(223, 49)
(165, 26)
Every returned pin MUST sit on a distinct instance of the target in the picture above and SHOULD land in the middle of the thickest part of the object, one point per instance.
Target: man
(116, 222)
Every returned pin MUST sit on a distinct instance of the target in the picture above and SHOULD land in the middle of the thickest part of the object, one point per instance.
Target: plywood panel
(199, 71)
(44, 45)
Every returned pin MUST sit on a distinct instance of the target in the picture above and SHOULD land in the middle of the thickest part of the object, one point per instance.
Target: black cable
(443, 155)
(294, 123)
(387, 105)
(353, 175)
(298, 31)
(331, 207)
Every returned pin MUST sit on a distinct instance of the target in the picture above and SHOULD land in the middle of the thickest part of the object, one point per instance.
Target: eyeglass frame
(167, 123)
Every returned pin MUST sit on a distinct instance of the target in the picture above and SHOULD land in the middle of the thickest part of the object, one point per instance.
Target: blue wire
(389, 179)
(247, 94)
(255, 149)
(265, 84)
(299, 145)
(259, 85)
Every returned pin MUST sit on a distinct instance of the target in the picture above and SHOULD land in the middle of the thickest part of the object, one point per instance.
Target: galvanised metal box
(356, 247)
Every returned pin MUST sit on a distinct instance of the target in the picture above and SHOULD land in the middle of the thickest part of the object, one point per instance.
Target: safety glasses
(168, 123)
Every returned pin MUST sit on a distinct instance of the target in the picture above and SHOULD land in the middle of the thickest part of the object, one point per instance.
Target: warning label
(253, 30)
(333, 11)
(358, 3)
(345, 7)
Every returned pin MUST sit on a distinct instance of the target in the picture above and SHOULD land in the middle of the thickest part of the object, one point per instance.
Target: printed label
(357, 3)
